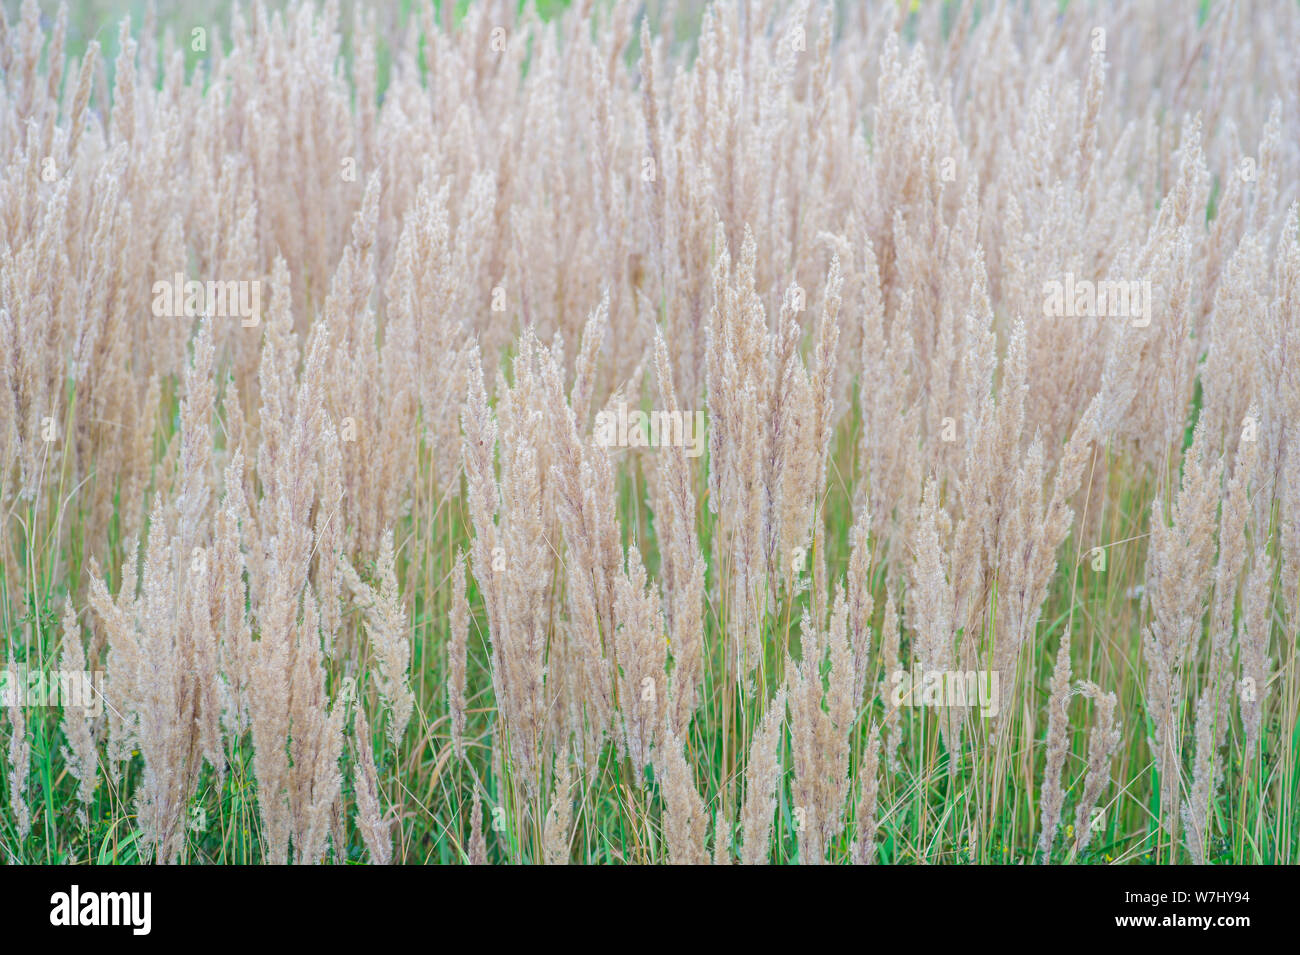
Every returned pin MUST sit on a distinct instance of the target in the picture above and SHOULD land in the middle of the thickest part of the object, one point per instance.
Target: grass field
(563, 433)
